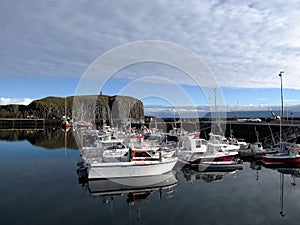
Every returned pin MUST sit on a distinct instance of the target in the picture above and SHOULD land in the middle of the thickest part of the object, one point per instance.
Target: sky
(47, 47)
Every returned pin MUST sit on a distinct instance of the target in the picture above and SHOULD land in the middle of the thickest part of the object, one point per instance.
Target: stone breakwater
(265, 132)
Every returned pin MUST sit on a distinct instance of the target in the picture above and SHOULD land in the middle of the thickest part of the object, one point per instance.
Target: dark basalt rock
(102, 107)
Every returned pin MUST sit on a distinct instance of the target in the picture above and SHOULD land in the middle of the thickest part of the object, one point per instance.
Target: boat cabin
(196, 145)
(284, 147)
(143, 155)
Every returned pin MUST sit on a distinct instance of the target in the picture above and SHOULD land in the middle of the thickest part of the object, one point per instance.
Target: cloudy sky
(46, 46)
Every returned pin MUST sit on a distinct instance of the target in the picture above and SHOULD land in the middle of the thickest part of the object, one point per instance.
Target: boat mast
(215, 110)
(281, 195)
(281, 113)
(65, 108)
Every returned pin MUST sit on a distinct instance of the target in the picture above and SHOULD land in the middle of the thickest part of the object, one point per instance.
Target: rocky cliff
(101, 107)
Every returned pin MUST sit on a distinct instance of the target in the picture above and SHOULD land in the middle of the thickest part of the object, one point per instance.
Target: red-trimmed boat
(198, 152)
(288, 155)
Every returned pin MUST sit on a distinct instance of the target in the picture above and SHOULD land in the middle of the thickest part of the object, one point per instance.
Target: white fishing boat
(111, 158)
(139, 163)
(191, 146)
(195, 151)
(239, 142)
(112, 146)
(222, 142)
(106, 147)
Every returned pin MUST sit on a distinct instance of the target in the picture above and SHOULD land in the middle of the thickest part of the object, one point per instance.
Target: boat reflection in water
(136, 188)
(285, 171)
(294, 172)
(208, 175)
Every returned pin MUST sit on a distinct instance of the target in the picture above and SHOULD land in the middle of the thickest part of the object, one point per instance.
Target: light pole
(281, 113)
(237, 109)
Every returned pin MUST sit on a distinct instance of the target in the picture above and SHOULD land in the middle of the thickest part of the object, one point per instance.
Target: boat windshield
(113, 145)
(142, 154)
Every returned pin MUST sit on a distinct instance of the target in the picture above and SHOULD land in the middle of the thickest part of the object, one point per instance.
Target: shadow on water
(49, 138)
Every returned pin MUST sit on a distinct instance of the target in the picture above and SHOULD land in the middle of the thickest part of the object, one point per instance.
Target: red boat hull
(226, 158)
(276, 160)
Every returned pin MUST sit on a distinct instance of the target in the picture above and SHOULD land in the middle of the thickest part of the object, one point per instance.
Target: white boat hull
(130, 169)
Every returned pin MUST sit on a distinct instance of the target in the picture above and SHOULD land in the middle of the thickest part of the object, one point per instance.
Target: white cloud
(19, 101)
(245, 43)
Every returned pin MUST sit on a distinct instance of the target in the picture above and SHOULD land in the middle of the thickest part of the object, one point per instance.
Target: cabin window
(142, 154)
(198, 144)
(108, 146)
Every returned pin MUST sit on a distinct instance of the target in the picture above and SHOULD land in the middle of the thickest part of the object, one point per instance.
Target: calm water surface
(39, 185)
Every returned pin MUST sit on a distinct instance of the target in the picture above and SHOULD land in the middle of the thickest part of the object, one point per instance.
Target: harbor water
(40, 185)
